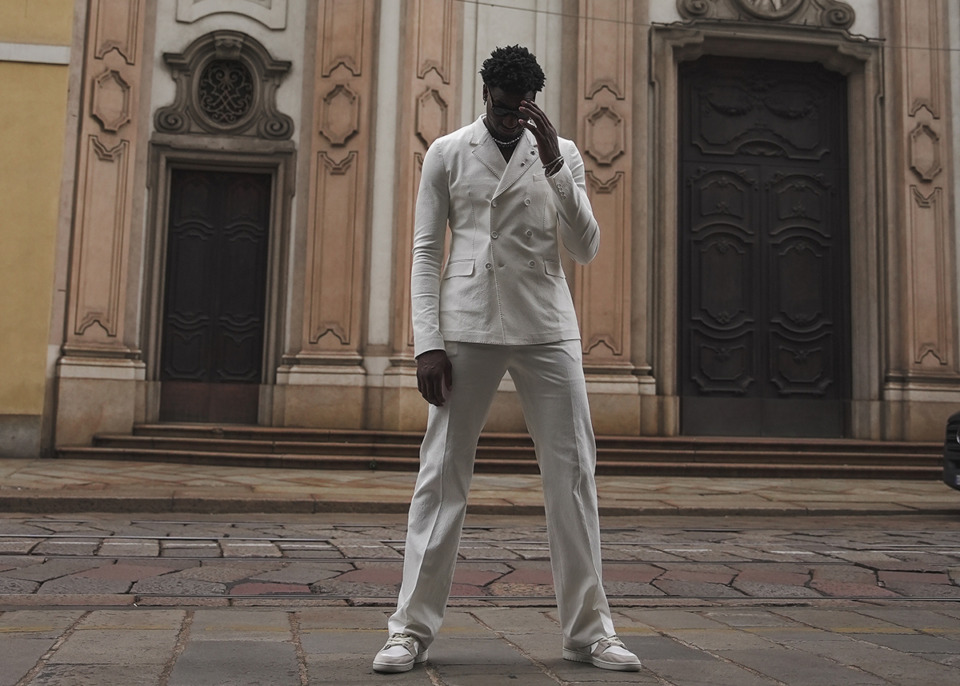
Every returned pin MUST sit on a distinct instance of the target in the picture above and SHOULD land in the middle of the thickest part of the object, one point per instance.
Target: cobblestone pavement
(303, 599)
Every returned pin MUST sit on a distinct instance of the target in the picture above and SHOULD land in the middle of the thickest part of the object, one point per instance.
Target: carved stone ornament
(226, 84)
(832, 14)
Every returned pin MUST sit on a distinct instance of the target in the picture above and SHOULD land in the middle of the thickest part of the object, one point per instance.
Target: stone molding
(261, 119)
(832, 14)
(341, 139)
(427, 112)
(99, 260)
(924, 245)
(270, 13)
(602, 290)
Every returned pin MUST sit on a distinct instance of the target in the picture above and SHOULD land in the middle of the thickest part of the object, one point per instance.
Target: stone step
(613, 450)
(637, 466)
(687, 444)
(513, 453)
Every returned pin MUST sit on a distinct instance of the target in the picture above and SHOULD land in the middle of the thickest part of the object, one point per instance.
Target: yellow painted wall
(32, 121)
(46, 22)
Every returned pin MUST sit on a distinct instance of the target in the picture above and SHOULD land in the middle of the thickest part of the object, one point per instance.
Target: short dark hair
(514, 69)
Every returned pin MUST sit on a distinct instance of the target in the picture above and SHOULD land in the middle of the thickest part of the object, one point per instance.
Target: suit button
(488, 266)
(494, 235)
(532, 263)
(526, 201)
(529, 233)
(494, 203)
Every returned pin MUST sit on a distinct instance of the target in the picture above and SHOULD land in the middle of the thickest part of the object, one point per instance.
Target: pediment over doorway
(832, 14)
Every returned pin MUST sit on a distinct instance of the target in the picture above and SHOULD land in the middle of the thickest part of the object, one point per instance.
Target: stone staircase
(255, 446)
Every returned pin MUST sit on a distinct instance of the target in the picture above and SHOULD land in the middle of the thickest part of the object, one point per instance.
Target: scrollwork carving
(833, 14)
(226, 84)
(694, 8)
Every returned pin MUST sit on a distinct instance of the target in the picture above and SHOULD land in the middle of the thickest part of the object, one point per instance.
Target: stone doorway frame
(861, 62)
(167, 152)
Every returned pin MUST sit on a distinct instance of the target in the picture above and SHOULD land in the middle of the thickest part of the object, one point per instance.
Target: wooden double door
(764, 318)
(214, 298)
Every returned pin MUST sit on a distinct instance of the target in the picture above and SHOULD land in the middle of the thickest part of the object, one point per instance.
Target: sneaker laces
(404, 640)
(605, 644)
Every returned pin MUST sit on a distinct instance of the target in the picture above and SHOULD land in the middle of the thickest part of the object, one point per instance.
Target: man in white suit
(512, 193)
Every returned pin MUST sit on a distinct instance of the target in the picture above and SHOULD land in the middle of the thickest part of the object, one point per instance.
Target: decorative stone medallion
(226, 85)
(775, 10)
(225, 91)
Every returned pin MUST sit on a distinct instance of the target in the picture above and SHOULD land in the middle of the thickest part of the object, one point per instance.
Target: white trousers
(552, 391)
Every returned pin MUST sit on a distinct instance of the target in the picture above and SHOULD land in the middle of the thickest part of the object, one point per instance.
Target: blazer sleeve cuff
(424, 344)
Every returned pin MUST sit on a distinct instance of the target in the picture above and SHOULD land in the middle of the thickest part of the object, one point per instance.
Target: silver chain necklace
(506, 144)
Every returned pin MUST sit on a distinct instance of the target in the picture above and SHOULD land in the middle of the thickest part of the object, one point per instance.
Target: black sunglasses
(501, 111)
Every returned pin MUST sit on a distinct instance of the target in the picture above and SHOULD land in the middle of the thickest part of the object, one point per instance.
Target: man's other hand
(434, 376)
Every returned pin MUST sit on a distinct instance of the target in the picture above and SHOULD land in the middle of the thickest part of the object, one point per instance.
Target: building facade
(775, 183)
(35, 42)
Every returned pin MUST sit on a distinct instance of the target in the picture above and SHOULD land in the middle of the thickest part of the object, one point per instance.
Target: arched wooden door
(764, 249)
(214, 296)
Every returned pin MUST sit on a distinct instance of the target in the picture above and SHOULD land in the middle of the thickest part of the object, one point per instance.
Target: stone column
(429, 95)
(923, 369)
(324, 379)
(100, 363)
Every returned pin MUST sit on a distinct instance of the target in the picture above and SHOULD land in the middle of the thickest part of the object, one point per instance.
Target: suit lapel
(521, 161)
(485, 150)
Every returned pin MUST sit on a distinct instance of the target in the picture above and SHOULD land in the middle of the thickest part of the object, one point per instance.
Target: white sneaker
(400, 654)
(607, 653)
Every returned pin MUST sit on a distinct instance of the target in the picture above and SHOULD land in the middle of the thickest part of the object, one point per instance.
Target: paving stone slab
(80, 585)
(765, 590)
(173, 585)
(19, 654)
(129, 548)
(354, 670)
(801, 669)
(517, 620)
(895, 667)
(720, 639)
(38, 623)
(226, 571)
(240, 624)
(238, 663)
(745, 618)
(709, 672)
(97, 675)
(347, 619)
(303, 572)
(915, 643)
(846, 621)
(137, 619)
(928, 621)
(50, 569)
(17, 586)
(51, 547)
(117, 647)
(127, 572)
(17, 546)
(249, 549)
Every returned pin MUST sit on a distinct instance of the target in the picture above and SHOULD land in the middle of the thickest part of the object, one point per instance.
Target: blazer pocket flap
(553, 268)
(458, 268)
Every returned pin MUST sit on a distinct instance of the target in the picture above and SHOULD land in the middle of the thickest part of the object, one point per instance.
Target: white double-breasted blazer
(503, 282)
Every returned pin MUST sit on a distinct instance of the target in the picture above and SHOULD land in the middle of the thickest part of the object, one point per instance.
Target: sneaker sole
(390, 668)
(574, 656)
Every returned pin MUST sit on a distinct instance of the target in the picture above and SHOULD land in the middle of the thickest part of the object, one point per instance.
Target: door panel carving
(764, 255)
